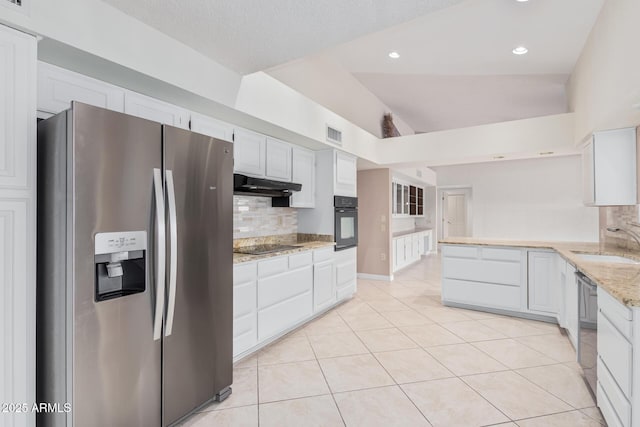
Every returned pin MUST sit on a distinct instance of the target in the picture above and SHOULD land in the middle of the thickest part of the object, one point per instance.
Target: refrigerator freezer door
(197, 355)
(116, 362)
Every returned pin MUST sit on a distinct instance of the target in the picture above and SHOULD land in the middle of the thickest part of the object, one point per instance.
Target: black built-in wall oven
(346, 222)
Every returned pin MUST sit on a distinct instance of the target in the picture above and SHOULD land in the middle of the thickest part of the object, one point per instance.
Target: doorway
(455, 212)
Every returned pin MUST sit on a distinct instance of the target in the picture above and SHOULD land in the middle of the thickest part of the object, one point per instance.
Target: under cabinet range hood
(249, 186)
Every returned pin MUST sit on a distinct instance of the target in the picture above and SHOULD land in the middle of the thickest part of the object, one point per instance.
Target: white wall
(606, 82)
(536, 199)
(327, 82)
(514, 139)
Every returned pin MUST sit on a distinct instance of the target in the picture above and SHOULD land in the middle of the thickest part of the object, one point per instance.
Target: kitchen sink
(606, 258)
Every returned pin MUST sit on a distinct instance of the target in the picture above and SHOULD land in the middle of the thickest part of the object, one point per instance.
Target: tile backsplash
(254, 217)
(625, 217)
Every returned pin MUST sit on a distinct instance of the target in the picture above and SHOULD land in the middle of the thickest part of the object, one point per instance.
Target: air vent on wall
(334, 135)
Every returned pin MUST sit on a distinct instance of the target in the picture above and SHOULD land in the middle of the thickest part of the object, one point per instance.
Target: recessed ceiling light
(394, 55)
(522, 1)
(520, 50)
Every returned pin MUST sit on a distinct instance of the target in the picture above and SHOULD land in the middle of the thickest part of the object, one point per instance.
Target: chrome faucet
(629, 232)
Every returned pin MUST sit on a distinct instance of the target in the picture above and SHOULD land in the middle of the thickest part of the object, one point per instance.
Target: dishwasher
(588, 329)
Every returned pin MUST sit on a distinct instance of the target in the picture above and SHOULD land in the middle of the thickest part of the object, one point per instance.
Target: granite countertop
(622, 281)
(407, 232)
(302, 246)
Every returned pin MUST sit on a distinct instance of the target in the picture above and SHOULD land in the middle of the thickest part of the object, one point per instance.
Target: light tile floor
(394, 356)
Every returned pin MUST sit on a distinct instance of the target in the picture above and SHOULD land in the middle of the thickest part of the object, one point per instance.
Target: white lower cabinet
(483, 276)
(274, 295)
(245, 327)
(324, 283)
(617, 364)
(541, 274)
(409, 248)
(346, 266)
(284, 300)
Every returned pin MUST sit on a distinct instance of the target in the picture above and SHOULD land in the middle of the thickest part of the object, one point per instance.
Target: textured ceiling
(253, 35)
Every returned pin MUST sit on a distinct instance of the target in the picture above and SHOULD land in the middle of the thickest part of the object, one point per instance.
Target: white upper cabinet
(249, 151)
(344, 183)
(609, 168)
(57, 87)
(211, 127)
(303, 172)
(278, 165)
(158, 111)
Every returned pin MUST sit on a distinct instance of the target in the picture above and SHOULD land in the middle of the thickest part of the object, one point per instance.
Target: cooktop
(263, 249)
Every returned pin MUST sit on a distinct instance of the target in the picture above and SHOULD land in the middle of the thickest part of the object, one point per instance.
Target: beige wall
(374, 212)
(606, 82)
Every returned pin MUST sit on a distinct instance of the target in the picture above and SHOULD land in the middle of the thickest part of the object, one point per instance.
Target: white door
(324, 292)
(454, 214)
(345, 174)
(153, 109)
(278, 164)
(303, 172)
(211, 127)
(249, 152)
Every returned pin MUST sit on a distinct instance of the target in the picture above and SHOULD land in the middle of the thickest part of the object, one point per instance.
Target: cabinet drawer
(300, 260)
(616, 353)
(346, 290)
(345, 273)
(323, 254)
(471, 252)
(613, 396)
(499, 254)
(275, 289)
(244, 299)
(245, 334)
(243, 273)
(482, 294)
(504, 273)
(272, 266)
(619, 315)
(284, 315)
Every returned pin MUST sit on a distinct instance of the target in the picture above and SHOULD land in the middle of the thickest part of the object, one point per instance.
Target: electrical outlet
(383, 256)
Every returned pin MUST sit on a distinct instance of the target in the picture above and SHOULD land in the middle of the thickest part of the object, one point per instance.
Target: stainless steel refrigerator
(134, 296)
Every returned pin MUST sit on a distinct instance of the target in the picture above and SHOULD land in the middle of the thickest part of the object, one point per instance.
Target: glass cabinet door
(405, 199)
(399, 209)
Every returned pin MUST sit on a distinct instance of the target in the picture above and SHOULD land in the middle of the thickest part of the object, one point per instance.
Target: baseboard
(367, 276)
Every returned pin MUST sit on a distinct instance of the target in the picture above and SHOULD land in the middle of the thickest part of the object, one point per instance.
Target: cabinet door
(398, 199)
(415, 247)
(405, 200)
(324, 289)
(421, 246)
(18, 55)
(420, 201)
(571, 304)
(57, 87)
(211, 127)
(245, 327)
(249, 151)
(345, 174)
(284, 300)
(614, 158)
(278, 165)
(153, 109)
(541, 282)
(303, 171)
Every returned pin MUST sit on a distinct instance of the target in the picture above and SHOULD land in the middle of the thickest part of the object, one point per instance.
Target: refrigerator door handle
(173, 251)
(161, 255)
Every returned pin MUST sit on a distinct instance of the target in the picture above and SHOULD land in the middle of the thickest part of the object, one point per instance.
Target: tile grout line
(335, 402)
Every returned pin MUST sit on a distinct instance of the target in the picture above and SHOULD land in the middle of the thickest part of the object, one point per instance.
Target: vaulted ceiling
(253, 35)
